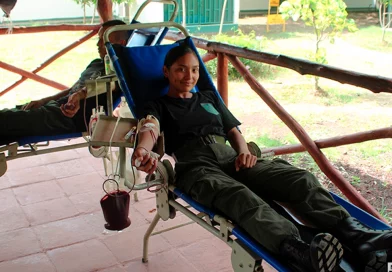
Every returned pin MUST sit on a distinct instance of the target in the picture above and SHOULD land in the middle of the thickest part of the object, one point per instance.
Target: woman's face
(183, 74)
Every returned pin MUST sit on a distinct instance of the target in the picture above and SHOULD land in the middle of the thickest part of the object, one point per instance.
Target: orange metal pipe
(359, 137)
(208, 56)
(49, 28)
(347, 189)
(35, 77)
(375, 84)
(223, 78)
(51, 59)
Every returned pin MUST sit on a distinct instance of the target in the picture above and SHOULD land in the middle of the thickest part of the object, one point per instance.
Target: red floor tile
(13, 218)
(30, 175)
(65, 155)
(49, 211)
(208, 254)
(82, 183)
(54, 203)
(7, 199)
(70, 168)
(32, 263)
(5, 182)
(64, 232)
(88, 202)
(86, 256)
(38, 192)
(19, 243)
(127, 246)
(167, 261)
(23, 163)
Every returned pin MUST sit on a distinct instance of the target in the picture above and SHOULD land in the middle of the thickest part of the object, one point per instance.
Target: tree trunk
(84, 13)
(95, 8)
(318, 90)
(104, 8)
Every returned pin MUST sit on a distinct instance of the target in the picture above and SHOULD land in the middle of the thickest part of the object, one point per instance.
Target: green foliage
(369, 38)
(250, 41)
(355, 180)
(265, 141)
(385, 212)
(94, 2)
(327, 17)
(84, 3)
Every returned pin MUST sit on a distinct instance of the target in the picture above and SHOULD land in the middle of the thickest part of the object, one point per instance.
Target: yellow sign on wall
(275, 18)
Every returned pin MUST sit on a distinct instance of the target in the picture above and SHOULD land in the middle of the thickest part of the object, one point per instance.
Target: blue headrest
(145, 71)
(141, 76)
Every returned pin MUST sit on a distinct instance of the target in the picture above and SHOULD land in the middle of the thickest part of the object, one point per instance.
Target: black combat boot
(372, 246)
(322, 255)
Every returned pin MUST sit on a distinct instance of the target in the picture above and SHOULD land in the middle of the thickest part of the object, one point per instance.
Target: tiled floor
(51, 220)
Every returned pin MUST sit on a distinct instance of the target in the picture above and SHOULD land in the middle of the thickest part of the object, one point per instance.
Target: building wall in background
(26, 10)
(153, 12)
(262, 5)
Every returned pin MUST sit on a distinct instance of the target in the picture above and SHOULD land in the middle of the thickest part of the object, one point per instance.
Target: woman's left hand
(245, 160)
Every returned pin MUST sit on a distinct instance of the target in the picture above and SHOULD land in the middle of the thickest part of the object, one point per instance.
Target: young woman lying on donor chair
(230, 180)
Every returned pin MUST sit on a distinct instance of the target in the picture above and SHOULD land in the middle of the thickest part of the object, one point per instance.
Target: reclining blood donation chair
(139, 71)
(28, 145)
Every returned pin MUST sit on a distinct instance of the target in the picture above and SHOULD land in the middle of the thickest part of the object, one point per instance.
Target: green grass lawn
(28, 51)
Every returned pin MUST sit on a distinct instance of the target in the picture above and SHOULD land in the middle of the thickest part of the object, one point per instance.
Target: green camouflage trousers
(207, 173)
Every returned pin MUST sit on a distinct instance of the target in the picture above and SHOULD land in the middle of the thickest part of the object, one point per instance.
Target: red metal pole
(49, 28)
(35, 77)
(208, 56)
(51, 59)
(359, 137)
(336, 177)
(223, 77)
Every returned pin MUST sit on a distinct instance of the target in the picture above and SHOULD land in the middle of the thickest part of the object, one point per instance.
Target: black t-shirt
(95, 69)
(184, 119)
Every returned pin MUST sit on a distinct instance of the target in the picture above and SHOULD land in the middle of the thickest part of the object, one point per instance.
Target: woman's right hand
(143, 161)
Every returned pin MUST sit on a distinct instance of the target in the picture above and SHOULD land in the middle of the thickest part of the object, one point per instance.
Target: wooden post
(328, 169)
(104, 8)
(51, 59)
(33, 76)
(223, 77)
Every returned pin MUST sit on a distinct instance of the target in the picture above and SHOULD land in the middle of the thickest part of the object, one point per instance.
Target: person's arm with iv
(244, 159)
(143, 158)
(35, 104)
